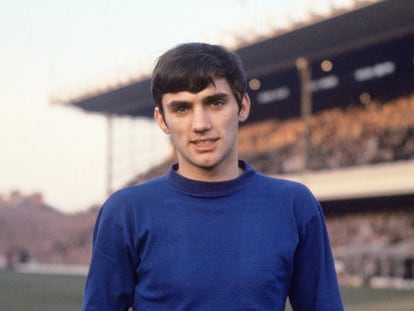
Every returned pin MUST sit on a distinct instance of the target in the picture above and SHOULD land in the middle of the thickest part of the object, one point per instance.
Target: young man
(212, 234)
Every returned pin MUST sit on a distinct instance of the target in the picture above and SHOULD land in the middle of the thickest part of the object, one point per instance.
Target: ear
(245, 108)
(159, 118)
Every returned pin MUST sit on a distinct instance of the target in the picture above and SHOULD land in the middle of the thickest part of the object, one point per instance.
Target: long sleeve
(110, 283)
(314, 283)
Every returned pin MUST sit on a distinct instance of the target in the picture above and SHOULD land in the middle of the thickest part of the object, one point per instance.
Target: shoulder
(286, 186)
(148, 188)
(134, 197)
(293, 195)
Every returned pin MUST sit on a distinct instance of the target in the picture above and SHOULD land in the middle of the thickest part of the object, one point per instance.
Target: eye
(179, 108)
(217, 102)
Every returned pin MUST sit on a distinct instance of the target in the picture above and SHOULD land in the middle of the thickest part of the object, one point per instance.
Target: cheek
(177, 134)
(231, 123)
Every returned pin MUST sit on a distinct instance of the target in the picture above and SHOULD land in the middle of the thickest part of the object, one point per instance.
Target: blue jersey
(176, 244)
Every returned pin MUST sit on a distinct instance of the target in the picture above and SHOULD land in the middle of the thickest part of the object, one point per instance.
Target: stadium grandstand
(333, 107)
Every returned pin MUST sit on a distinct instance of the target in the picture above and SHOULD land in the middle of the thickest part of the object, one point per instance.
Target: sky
(56, 49)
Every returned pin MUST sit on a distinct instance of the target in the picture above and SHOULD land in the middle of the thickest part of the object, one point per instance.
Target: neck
(211, 174)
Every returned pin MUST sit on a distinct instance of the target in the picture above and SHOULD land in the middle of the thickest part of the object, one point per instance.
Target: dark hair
(193, 66)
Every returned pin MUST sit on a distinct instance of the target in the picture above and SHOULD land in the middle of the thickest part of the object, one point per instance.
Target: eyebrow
(214, 97)
(177, 103)
(206, 100)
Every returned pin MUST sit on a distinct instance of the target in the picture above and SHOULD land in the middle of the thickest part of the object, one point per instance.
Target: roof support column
(305, 76)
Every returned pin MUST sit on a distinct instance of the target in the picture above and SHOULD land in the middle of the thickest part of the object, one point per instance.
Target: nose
(201, 120)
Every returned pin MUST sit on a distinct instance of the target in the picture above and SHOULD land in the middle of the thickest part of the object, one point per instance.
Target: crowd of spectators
(374, 248)
(367, 134)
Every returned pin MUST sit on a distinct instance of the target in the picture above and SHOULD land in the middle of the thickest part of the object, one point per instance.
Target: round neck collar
(210, 189)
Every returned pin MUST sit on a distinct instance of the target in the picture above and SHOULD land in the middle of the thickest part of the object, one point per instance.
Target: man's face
(203, 128)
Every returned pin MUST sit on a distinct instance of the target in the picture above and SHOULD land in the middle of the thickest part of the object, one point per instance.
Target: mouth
(204, 144)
